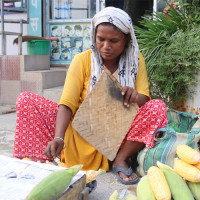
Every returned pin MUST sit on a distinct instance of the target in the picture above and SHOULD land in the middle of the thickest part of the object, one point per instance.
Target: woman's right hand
(54, 148)
(62, 121)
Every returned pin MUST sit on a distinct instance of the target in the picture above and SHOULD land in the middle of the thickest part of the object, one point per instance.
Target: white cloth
(129, 59)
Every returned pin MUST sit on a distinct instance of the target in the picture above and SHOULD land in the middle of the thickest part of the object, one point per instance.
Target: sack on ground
(182, 128)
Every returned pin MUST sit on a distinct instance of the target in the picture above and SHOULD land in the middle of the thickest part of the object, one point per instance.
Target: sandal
(127, 172)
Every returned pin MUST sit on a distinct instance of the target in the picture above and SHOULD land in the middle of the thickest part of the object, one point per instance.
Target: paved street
(7, 130)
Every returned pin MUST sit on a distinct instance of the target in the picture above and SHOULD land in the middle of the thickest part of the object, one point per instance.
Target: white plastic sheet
(18, 177)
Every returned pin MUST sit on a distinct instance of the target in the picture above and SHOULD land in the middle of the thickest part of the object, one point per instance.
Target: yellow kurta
(78, 150)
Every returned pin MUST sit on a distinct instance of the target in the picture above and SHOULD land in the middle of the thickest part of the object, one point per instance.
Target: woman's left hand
(130, 95)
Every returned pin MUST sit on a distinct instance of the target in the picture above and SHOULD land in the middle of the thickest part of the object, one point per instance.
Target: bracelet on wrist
(59, 138)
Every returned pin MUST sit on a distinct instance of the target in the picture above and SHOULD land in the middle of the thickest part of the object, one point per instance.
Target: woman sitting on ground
(44, 126)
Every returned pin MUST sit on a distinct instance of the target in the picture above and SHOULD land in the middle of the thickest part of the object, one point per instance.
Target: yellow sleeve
(141, 83)
(73, 86)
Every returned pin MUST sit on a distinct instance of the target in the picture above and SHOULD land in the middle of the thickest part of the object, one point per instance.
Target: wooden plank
(74, 191)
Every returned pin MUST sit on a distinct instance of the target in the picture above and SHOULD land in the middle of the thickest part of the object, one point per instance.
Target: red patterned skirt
(36, 117)
(151, 116)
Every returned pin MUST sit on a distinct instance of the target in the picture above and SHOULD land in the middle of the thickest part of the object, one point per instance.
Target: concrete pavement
(7, 131)
(106, 183)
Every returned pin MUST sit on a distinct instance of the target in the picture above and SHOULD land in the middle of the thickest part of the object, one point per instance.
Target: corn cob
(197, 165)
(91, 175)
(131, 197)
(57, 160)
(54, 184)
(187, 171)
(26, 159)
(158, 183)
(114, 195)
(62, 164)
(178, 187)
(144, 191)
(188, 154)
(195, 189)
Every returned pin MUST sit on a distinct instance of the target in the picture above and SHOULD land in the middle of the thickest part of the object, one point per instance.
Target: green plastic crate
(38, 47)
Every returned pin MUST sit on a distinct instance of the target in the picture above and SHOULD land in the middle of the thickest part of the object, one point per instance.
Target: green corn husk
(131, 197)
(178, 187)
(54, 184)
(114, 195)
(144, 191)
(195, 189)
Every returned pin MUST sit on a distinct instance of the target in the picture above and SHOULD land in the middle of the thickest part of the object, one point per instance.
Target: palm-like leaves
(171, 51)
(154, 37)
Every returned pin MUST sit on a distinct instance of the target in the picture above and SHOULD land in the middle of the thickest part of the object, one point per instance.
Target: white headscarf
(129, 60)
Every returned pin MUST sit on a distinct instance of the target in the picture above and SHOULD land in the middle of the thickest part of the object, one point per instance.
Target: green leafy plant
(154, 37)
(170, 45)
(176, 67)
(191, 9)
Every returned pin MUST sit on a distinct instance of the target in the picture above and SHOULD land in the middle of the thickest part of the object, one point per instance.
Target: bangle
(62, 140)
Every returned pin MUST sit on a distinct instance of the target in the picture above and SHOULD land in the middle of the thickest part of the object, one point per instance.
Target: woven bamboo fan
(102, 119)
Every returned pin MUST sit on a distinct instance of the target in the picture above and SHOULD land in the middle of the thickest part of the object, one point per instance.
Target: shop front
(69, 21)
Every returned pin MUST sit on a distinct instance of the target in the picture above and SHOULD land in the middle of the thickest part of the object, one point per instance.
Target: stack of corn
(180, 183)
(188, 164)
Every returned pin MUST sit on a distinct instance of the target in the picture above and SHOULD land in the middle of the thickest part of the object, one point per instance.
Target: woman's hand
(54, 148)
(62, 121)
(132, 96)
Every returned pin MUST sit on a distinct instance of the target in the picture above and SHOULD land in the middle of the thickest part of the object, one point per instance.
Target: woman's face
(110, 42)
